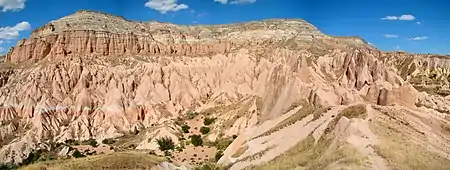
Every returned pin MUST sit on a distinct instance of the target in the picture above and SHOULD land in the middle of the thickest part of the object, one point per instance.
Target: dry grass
(309, 156)
(240, 151)
(356, 111)
(257, 155)
(400, 145)
(401, 154)
(123, 160)
(302, 113)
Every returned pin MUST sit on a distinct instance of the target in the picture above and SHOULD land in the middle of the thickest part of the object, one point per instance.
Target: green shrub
(91, 142)
(208, 166)
(204, 130)
(179, 121)
(32, 157)
(131, 146)
(8, 166)
(207, 121)
(179, 149)
(77, 154)
(219, 155)
(108, 141)
(191, 114)
(196, 140)
(71, 142)
(165, 143)
(185, 128)
(167, 153)
(222, 144)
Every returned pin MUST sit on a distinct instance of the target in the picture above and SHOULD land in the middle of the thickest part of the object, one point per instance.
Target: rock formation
(93, 75)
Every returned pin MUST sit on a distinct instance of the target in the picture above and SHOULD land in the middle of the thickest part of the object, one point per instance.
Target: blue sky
(418, 26)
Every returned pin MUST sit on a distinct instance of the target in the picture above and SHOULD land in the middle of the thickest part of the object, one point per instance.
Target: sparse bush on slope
(196, 140)
(185, 128)
(204, 130)
(165, 143)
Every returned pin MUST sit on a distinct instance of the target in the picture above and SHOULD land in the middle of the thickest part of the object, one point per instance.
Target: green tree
(196, 140)
(77, 154)
(207, 121)
(8, 166)
(71, 142)
(108, 141)
(185, 128)
(91, 142)
(32, 157)
(204, 130)
(219, 155)
(165, 143)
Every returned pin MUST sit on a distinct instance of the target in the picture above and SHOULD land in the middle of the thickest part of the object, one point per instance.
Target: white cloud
(9, 33)
(165, 6)
(418, 23)
(405, 17)
(243, 1)
(390, 36)
(221, 1)
(418, 38)
(390, 18)
(236, 1)
(12, 5)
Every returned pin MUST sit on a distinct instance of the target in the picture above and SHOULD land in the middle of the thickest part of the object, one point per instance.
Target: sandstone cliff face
(99, 34)
(92, 75)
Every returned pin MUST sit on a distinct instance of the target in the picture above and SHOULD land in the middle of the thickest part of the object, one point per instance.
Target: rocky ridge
(93, 75)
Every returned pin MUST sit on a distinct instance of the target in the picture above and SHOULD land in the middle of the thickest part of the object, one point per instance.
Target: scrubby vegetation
(191, 114)
(204, 130)
(77, 154)
(208, 121)
(117, 160)
(220, 144)
(42, 155)
(8, 166)
(72, 142)
(218, 155)
(108, 141)
(32, 157)
(185, 128)
(91, 142)
(196, 140)
(165, 143)
(209, 166)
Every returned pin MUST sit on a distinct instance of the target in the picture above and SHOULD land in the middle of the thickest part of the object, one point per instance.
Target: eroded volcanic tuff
(281, 92)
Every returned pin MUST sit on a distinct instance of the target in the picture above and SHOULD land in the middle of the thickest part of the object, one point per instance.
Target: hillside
(271, 93)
